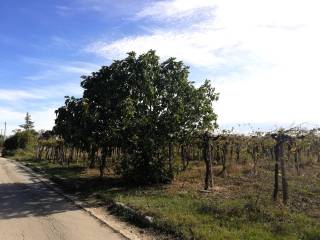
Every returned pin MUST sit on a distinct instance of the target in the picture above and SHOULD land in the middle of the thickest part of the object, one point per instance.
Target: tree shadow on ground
(19, 200)
(111, 184)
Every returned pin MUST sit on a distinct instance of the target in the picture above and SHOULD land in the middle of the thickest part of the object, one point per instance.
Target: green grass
(240, 209)
(194, 216)
(20, 154)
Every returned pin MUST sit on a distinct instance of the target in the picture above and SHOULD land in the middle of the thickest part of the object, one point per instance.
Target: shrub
(20, 140)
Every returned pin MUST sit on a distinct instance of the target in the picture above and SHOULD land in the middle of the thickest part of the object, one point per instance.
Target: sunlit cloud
(43, 119)
(262, 56)
(272, 45)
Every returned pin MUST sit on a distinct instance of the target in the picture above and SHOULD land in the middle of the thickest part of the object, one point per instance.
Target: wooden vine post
(280, 138)
(207, 156)
(208, 182)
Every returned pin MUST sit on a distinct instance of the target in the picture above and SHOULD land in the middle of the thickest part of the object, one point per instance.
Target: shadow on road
(19, 200)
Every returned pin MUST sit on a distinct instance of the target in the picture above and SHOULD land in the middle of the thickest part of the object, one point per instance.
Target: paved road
(30, 211)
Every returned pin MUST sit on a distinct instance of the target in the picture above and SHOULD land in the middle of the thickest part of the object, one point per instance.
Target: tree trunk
(41, 149)
(280, 161)
(285, 194)
(77, 156)
(184, 158)
(297, 156)
(276, 172)
(103, 162)
(171, 159)
(223, 157)
(92, 157)
(238, 149)
(208, 183)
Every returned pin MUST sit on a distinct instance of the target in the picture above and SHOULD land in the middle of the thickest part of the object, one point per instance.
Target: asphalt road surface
(31, 211)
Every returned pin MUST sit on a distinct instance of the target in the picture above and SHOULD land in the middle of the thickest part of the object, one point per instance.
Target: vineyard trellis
(284, 148)
(145, 121)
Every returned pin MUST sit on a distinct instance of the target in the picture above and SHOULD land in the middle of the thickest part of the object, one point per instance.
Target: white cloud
(57, 41)
(41, 93)
(39, 102)
(44, 94)
(273, 45)
(44, 119)
(194, 49)
(56, 69)
(104, 8)
(11, 118)
(270, 99)
(175, 10)
(79, 68)
(17, 95)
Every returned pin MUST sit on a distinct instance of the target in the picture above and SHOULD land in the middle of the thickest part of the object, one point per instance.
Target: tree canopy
(142, 106)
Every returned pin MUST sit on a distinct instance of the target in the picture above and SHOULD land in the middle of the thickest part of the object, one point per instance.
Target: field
(239, 206)
(144, 135)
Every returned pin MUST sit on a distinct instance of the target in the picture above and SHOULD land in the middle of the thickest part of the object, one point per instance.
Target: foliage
(141, 106)
(1, 140)
(28, 125)
(25, 140)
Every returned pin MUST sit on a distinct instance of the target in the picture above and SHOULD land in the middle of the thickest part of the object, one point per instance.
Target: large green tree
(144, 107)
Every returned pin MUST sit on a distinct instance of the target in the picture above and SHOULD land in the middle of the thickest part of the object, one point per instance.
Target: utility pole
(5, 130)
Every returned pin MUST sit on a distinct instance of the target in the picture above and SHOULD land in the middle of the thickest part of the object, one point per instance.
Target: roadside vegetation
(144, 135)
(23, 142)
(1, 141)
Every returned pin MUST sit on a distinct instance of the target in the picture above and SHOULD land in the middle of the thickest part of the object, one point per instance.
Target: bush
(139, 169)
(21, 140)
(11, 143)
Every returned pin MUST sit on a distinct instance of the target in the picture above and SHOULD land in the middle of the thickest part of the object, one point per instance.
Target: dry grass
(239, 206)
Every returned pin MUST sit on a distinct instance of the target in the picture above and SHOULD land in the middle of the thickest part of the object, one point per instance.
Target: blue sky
(262, 56)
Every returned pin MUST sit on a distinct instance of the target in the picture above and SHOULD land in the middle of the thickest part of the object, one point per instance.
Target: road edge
(73, 199)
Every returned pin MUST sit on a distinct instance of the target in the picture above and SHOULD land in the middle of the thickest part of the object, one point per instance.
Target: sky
(262, 56)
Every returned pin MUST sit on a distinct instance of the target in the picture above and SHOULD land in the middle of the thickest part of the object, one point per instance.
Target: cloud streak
(176, 10)
(270, 47)
(17, 95)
